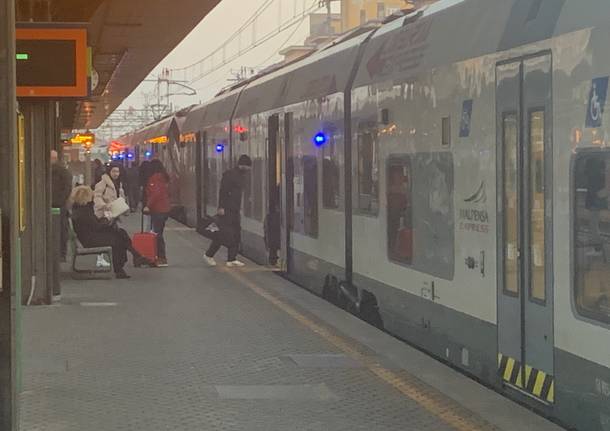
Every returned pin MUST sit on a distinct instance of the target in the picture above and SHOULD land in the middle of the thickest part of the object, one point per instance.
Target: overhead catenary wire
(198, 70)
(282, 45)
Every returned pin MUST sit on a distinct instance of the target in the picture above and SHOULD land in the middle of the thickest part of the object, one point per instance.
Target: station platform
(190, 347)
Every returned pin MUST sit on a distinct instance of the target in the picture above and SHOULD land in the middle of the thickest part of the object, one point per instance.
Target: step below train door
(525, 222)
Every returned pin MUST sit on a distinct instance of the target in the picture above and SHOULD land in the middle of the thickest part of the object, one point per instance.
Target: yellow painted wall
(351, 10)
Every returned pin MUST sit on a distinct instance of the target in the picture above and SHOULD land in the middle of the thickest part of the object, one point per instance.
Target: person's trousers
(158, 227)
(133, 195)
(120, 242)
(232, 250)
(230, 236)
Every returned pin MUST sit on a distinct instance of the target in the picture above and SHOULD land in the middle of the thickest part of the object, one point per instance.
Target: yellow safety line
(426, 400)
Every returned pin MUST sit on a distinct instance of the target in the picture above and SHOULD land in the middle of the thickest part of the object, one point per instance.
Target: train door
(279, 185)
(274, 187)
(525, 221)
(200, 173)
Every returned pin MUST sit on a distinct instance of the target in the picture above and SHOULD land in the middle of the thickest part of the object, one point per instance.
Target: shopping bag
(118, 207)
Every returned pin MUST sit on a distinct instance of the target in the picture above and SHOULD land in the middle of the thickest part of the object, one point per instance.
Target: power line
(282, 45)
(198, 70)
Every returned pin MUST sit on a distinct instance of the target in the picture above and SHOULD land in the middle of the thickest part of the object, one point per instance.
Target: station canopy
(129, 38)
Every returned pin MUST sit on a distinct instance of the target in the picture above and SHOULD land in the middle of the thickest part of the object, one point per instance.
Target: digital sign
(51, 62)
(84, 139)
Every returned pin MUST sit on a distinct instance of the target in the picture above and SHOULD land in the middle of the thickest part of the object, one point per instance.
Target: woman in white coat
(109, 189)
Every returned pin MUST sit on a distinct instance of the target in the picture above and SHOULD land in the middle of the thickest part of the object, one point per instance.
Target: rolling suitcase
(145, 243)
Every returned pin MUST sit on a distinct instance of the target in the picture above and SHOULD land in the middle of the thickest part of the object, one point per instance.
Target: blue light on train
(121, 156)
(148, 153)
(220, 148)
(130, 155)
(320, 139)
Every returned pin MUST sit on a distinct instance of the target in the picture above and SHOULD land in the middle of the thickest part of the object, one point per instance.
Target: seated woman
(93, 232)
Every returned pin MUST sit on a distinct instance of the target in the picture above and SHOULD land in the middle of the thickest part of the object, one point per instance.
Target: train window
(368, 171)
(331, 175)
(537, 207)
(248, 197)
(310, 195)
(446, 135)
(510, 147)
(258, 170)
(592, 235)
(400, 229)
(432, 212)
(212, 187)
(205, 172)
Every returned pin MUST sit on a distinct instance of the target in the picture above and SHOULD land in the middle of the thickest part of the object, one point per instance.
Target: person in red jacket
(157, 204)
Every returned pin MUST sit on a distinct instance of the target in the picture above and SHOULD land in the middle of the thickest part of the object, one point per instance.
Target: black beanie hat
(244, 161)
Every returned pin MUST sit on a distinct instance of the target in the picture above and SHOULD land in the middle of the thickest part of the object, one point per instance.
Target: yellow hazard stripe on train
(535, 382)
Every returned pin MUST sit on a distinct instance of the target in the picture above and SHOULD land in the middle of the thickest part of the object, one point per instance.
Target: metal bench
(79, 251)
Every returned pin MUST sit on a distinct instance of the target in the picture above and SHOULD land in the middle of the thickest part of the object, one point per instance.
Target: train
(443, 176)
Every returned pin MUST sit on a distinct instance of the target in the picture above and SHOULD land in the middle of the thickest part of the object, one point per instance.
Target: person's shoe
(101, 261)
(209, 260)
(162, 262)
(235, 264)
(122, 275)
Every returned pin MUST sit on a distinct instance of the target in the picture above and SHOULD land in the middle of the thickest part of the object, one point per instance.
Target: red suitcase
(145, 243)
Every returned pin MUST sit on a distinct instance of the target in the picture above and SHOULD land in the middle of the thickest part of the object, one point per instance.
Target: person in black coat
(61, 184)
(229, 207)
(98, 169)
(93, 232)
(133, 186)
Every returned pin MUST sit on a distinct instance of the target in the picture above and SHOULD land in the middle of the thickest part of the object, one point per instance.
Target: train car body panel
(478, 226)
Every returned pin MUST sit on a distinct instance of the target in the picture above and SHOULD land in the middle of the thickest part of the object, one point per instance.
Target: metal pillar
(9, 302)
(39, 117)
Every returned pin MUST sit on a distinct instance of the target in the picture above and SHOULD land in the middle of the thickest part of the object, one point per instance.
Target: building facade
(358, 12)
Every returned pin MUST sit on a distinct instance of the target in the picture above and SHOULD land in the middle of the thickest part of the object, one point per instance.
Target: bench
(79, 251)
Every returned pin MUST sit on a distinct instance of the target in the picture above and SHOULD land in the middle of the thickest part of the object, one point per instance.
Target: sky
(219, 25)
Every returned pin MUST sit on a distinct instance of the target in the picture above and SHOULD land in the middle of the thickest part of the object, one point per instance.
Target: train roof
(323, 73)
(443, 33)
(451, 31)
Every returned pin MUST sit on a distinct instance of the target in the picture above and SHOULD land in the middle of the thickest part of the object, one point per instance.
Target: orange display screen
(52, 62)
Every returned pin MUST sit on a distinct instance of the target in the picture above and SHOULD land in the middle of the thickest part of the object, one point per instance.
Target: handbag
(217, 229)
(118, 207)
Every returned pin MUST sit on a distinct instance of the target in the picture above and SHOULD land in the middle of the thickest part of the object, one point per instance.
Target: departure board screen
(46, 63)
(52, 62)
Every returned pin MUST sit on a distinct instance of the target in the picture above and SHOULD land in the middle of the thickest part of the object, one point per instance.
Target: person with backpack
(229, 207)
(158, 205)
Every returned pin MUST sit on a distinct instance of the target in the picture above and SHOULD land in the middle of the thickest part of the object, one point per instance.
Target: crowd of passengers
(96, 211)
(93, 209)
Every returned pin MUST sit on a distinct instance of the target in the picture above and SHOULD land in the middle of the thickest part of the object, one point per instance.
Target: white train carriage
(444, 177)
